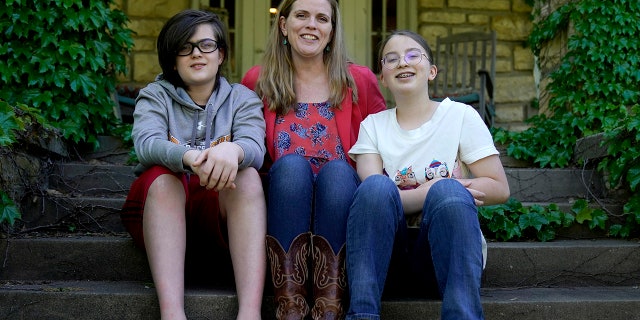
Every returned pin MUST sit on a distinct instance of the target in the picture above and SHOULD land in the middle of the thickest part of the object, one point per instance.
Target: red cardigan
(348, 118)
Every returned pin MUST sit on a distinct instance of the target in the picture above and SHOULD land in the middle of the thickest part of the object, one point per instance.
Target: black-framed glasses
(204, 45)
(392, 60)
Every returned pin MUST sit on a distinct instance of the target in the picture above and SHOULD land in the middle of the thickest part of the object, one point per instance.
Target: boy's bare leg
(164, 229)
(246, 213)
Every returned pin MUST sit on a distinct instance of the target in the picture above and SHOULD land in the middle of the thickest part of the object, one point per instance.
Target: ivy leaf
(532, 219)
(546, 234)
(614, 230)
(554, 217)
(583, 215)
(633, 176)
(568, 219)
(9, 210)
(599, 219)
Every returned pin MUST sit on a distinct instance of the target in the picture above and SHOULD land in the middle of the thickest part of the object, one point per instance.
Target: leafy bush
(10, 124)
(512, 221)
(595, 88)
(62, 57)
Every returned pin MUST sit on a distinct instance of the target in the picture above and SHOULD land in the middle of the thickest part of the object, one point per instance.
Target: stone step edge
(136, 300)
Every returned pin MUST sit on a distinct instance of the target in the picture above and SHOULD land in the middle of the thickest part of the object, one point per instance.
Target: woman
(427, 158)
(200, 142)
(314, 101)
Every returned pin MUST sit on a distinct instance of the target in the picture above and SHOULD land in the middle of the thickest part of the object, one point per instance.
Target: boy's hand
(217, 166)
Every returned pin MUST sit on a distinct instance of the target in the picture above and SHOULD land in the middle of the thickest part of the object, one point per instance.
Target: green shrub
(10, 124)
(595, 89)
(62, 57)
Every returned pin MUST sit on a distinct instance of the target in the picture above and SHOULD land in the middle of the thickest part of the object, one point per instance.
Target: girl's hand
(478, 196)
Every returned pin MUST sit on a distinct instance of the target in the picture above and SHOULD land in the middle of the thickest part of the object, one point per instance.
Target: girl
(427, 158)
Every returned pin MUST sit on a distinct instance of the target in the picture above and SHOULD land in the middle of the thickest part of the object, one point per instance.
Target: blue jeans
(448, 246)
(296, 198)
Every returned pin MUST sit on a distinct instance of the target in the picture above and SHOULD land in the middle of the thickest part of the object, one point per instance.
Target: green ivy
(594, 89)
(512, 221)
(62, 57)
(9, 125)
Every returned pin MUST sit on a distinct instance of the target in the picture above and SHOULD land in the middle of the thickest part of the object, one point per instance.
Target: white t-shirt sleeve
(367, 138)
(476, 141)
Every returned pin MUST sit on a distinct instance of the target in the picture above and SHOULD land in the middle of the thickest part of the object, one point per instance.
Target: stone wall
(515, 84)
(551, 52)
(146, 18)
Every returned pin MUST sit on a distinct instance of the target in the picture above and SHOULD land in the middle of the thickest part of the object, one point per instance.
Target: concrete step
(88, 196)
(136, 300)
(567, 263)
(526, 184)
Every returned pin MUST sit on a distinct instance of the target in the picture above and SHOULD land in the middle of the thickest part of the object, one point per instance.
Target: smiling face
(400, 76)
(199, 69)
(308, 27)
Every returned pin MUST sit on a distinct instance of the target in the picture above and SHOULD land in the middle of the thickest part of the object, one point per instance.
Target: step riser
(135, 301)
(560, 263)
(97, 193)
(563, 264)
(91, 180)
(526, 184)
(63, 214)
(554, 185)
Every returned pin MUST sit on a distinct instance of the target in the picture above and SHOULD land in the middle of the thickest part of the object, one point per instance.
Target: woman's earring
(285, 41)
(327, 48)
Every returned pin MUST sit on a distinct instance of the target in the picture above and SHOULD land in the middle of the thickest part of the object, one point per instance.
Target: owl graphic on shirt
(406, 179)
(437, 169)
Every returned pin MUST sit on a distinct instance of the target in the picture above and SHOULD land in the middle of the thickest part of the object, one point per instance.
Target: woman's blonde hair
(275, 83)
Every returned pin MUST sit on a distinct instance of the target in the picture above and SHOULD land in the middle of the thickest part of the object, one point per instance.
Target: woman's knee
(290, 172)
(336, 169)
(290, 163)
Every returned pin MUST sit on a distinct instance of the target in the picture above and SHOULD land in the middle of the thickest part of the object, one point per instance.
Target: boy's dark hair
(177, 31)
(407, 33)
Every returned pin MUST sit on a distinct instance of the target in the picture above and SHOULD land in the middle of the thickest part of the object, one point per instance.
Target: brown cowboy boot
(289, 274)
(329, 280)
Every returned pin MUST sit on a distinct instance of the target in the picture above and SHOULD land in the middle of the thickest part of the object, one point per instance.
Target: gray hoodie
(166, 121)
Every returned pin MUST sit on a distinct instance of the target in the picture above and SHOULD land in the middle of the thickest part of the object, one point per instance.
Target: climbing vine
(594, 89)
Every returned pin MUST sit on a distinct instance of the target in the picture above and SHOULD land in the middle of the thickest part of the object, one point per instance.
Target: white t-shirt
(443, 146)
(454, 137)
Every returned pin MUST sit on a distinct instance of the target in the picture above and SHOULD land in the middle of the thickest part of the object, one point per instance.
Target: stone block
(431, 4)
(156, 8)
(521, 6)
(443, 17)
(590, 147)
(481, 5)
(145, 44)
(431, 33)
(503, 50)
(479, 19)
(512, 27)
(512, 112)
(523, 58)
(515, 88)
(503, 65)
(146, 67)
(146, 27)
